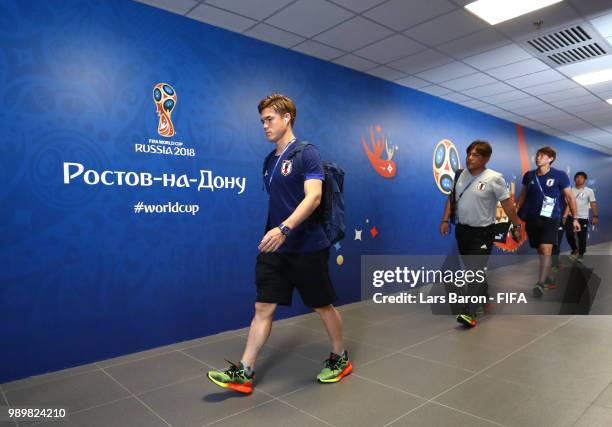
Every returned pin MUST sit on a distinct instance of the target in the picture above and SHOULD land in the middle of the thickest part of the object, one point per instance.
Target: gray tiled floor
(411, 369)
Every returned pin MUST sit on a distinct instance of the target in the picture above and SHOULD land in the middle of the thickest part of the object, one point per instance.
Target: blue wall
(84, 278)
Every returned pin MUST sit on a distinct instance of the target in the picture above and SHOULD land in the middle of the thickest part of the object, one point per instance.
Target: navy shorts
(278, 273)
(542, 231)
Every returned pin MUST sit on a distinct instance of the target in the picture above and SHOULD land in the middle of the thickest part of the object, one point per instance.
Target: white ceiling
(437, 47)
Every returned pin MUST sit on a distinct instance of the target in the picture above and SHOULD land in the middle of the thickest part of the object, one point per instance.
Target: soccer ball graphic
(164, 97)
(445, 164)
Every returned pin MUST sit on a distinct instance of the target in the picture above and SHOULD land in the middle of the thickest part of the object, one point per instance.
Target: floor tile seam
(266, 402)
(534, 389)
(136, 397)
(448, 365)
(272, 399)
(469, 413)
(483, 370)
(393, 351)
(307, 413)
(89, 371)
(370, 380)
(110, 402)
(582, 414)
(207, 365)
(7, 403)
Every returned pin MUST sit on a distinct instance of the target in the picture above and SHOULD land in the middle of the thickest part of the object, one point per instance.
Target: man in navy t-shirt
(540, 206)
(294, 251)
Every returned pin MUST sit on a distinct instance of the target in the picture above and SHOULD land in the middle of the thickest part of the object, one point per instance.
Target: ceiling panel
(390, 49)
(473, 103)
(413, 82)
(590, 8)
(468, 82)
(318, 50)
(356, 5)
(220, 18)
(456, 97)
(447, 27)
(355, 62)
(490, 109)
(446, 72)
(603, 25)
(435, 90)
(488, 90)
(420, 61)
(353, 34)
(258, 10)
(598, 105)
(518, 69)
(537, 108)
(567, 103)
(563, 95)
(551, 87)
(519, 104)
(402, 14)
(504, 97)
(553, 16)
(535, 79)
(177, 6)
(309, 17)
(473, 44)
(504, 55)
(386, 73)
(273, 35)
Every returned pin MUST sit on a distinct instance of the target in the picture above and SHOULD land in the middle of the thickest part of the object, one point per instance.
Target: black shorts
(542, 231)
(277, 273)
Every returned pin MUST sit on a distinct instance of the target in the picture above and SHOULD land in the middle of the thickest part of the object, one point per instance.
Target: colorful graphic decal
(510, 245)
(445, 163)
(500, 217)
(164, 97)
(384, 167)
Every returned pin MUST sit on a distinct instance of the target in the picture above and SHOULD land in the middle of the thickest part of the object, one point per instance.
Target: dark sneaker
(467, 320)
(549, 283)
(538, 289)
(233, 378)
(336, 367)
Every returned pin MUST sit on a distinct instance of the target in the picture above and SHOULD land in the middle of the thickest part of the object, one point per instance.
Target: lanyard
(467, 186)
(535, 174)
(278, 160)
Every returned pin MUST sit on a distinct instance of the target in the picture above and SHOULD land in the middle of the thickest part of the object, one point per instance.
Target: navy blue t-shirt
(284, 180)
(553, 183)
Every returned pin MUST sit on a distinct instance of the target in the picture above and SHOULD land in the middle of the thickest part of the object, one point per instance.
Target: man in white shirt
(585, 200)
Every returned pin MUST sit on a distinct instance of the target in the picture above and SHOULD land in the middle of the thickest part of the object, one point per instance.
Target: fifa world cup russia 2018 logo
(164, 97)
(445, 164)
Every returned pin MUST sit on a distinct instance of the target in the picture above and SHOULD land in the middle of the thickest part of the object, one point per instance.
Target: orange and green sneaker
(233, 378)
(336, 367)
(467, 320)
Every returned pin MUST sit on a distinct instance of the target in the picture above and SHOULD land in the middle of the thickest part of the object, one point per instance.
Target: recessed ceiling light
(609, 101)
(496, 11)
(594, 77)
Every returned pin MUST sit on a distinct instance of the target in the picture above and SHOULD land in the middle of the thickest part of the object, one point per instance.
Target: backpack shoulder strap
(299, 147)
(457, 175)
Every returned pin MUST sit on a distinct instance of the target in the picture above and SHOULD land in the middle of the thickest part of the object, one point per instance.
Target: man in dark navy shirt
(539, 205)
(294, 249)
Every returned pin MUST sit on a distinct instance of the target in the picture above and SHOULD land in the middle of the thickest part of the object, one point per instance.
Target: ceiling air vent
(568, 46)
